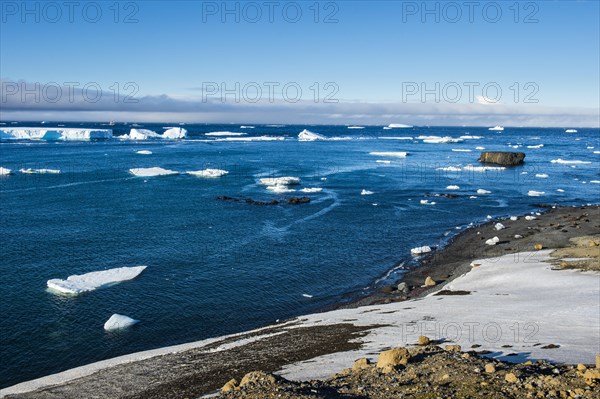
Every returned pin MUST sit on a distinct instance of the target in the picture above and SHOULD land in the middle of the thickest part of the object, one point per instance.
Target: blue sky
(365, 55)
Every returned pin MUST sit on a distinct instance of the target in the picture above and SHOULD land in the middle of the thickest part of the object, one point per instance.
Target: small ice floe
(560, 190)
(469, 137)
(280, 189)
(225, 134)
(472, 197)
(356, 127)
(31, 171)
(395, 154)
(483, 168)
(533, 193)
(323, 178)
(535, 146)
(420, 250)
(596, 152)
(366, 192)
(307, 135)
(175, 133)
(450, 169)
(571, 131)
(541, 175)
(211, 173)
(383, 161)
(441, 140)
(488, 217)
(453, 187)
(79, 283)
(246, 127)
(257, 138)
(144, 152)
(496, 128)
(5, 171)
(398, 126)
(513, 218)
(524, 173)
(312, 190)
(395, 138)
(499, 226)
(595, 181)
(119, 322)
(480, 148)
(492, 241)
(528, 217)
(589, 147)
(150, 172)
(566, 162)
(280, 181)
(427, 202)
(481, 191)
(307, 295)
(460, 150)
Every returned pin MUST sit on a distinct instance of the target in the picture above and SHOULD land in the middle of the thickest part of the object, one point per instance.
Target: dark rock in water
(298, 200)
(502, 158)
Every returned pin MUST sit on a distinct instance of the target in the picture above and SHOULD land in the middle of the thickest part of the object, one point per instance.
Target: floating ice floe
(79, 283)
(356, 127)
(596, 152)
(150, 172)
(560, 190)
(541, 175)
(398, 126)
(480, 148)
(450, 169)
(472, 197)
(535, 146)
(571, 131)
(307, 295)
(492, 241)
(441, 140)
(483, 168)
(499, 226)
(427, 202)
(119, 322)
(144, 152)
(175, 133)
(140, 134)
(307, 135)
(469, 137)
(481, 191)
(395, 154)
(280, 181)
(257, 138)
(246, 127)
(54, 134)
(31, 171)
(496, 128)
(280, 189)
(565, 162)
(312, 190)
(595, 181)
(395, 138)
(420, 250)
(5, 171)
(460, 150)
(528, 217)
(366, 192)
(453, 187)
(533, 193)
(219, 134)
(385, 161)
(208, 173)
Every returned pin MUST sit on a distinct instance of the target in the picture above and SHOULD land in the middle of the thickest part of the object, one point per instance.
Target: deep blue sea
(218, 267)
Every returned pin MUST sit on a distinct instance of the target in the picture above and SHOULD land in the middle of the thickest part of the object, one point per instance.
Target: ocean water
(217, 267)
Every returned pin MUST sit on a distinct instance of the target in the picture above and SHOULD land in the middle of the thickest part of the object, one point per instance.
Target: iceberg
(219, 134)
(396, 154)
(366, 192)
(541, 175)
(149, 172)
(31, 171)
(77, 284)
(140, 134)
(533, 193)
(118, 322)
(480, 148)
(497, 128)
(144, 152)
(571, 131)
(481, 191)
(54, 134)
(453, 187)
(565, 162)
(398, 126)
(280, 181)
(307, 135)
(5, 171)
(420, 250)
(312, 190)
(208, 173)
(175, 133)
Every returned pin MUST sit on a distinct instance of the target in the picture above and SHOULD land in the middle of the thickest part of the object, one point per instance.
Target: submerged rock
(502, 158)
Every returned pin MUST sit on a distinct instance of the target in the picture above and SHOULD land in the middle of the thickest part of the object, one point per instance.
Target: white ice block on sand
(79, 283)
(119, 322)
(499, 226)
(492, 241)
(420, 250)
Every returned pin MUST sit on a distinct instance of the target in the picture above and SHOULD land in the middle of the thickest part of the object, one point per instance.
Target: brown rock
(255, 377)
(581, 367)
(510, 377)
(360, 364)
(591, 376)
(502, 158)
(429, 282)
(452, 348)
(490, 368)
(598, 361)
(230, 385)
(423, 341)
(393, 357)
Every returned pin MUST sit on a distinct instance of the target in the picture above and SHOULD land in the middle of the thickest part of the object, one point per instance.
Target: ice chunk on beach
(278, 188)
(541, 175)
(513, 218)
(528, 217)
(140, 134)
(565, 162)
(482, 191)
(533, 193)
(150, 172)
(499, 226)
(571, 131)
(395, 154)
(208, 173)
(31, 171)
(398, 126)
(366, 192)
(312, 190)
(144, 152)
(280, 181)
(54, 134)
(492, 241)
(453, 187)
(118, 322)
(175, 133)
(219, 134)
(420, 250)
(307, 135)
(79, 283)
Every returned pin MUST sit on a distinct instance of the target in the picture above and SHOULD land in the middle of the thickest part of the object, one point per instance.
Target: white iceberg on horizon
(497, 128)
(119, 322)
(307, 135)
(150, 172)
(453, 187)
(398, 126)
(79, 283)
(571, 131)
(54, 134)
(175, 133)
(208, 173)
(356, 127)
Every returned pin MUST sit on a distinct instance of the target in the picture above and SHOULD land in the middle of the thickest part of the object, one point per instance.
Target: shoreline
(443, 265)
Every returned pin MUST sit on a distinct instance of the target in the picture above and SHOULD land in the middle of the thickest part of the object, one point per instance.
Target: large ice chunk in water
(175, 133)
(280, 181)
(54, 134)
(5, 171)
(208, 173)
(398, 126)
(307, 135)
(31, 171)
(150, 172)
(79, 283)
(118, 322)
(140, 134)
